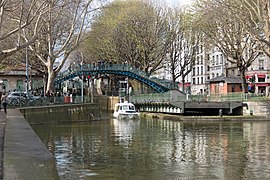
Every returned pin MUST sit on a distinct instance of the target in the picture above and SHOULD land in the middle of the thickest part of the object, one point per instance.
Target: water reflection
(124, 130)
(157, 149)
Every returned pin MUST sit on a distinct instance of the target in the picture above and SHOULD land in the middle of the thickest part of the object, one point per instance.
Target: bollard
(220, 112)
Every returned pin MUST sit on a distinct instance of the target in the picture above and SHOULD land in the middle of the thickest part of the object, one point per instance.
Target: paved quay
(23, 155)
(2, 136)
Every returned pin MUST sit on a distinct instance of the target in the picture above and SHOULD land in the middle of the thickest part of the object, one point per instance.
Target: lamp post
(127, 90)
(26, 62)
(82, 82)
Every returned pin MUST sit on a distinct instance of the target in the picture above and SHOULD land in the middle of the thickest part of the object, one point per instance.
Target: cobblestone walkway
(2, 134)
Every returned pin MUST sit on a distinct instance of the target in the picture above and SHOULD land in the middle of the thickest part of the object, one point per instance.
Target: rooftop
(229, 79)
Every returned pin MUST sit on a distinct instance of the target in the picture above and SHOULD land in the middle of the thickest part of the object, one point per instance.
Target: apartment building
(200, 72)
(210, 64)
(259, 70)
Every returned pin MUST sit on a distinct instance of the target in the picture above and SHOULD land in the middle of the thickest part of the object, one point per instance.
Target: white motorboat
(125, 110)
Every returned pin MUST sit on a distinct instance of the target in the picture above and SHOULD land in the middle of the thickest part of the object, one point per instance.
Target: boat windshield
(128, 107)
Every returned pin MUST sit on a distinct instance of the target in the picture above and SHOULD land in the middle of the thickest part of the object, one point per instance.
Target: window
(194, 81)
(261, 63)
(221, 59)
(202, 80)
(261, 79)
(217, 60)
(19, 85)
(193, 71)
(5, 84)
(201, 69)
(198, 80)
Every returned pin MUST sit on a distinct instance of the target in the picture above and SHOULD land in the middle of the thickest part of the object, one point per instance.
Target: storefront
(258, 84)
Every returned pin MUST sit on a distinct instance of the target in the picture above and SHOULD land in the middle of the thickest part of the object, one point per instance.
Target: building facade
(258, 77)
(14, 79)
(200, 72)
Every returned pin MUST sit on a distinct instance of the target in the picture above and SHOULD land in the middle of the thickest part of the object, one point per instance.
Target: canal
(159, 149)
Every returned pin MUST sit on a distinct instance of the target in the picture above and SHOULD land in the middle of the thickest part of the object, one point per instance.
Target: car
(16, 95)
(18, 98)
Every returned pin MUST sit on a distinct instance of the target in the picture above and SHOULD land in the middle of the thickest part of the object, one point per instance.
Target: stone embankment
(25, 156)
(201, 118)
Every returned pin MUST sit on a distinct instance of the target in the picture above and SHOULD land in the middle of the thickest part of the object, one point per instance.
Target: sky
(178, 2)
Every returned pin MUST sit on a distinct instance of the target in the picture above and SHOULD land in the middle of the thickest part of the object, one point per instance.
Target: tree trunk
(183, 84)
(244, 82)
(50, 80)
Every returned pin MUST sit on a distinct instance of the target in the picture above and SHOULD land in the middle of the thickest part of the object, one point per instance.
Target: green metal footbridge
(159, 85)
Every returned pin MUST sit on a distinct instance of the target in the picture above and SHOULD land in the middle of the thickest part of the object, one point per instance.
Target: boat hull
(126, 115)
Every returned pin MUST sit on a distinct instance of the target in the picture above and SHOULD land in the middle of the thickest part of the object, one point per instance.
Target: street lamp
(26, 62)
(127, 90)
(82, 82)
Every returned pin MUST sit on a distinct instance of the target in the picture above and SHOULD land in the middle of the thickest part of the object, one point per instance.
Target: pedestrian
(4, 102)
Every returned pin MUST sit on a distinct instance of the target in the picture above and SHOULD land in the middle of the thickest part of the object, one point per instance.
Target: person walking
(4, 102)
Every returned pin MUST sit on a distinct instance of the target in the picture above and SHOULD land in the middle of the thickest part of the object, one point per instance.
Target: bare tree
(63, 27)
(256, 16)
(183, 41)
(225, 31)
(16, 16)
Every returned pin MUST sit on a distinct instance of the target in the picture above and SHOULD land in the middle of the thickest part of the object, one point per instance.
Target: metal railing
(170, 97)
(45, 101)
(165, 97)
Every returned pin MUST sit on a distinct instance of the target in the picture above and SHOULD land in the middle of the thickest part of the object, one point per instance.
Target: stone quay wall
(70, 113)
(66, 113)
(257, 109)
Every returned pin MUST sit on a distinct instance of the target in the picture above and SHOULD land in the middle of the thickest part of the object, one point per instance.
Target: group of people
(3, 102)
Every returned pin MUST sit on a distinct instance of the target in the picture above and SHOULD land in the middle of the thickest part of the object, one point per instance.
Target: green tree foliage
(130, 32)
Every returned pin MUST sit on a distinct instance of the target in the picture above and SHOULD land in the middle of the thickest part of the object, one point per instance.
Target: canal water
(159, 149)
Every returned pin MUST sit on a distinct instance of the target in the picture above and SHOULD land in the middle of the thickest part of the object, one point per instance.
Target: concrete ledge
(25, 156)
(182, 118)
(64, 113)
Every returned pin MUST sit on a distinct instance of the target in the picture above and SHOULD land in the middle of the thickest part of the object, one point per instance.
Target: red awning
(263, 84)
(248, 76)
(261, 75)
